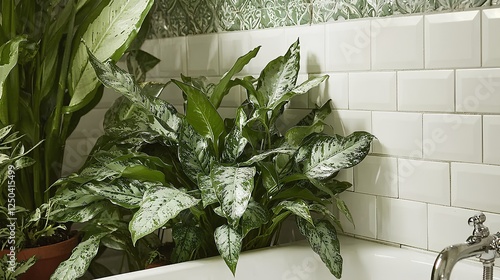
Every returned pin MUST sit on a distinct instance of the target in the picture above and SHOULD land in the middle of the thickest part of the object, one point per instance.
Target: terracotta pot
(48, 258)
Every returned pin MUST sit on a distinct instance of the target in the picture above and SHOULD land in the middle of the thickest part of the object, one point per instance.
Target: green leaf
(187, 239)
(108, 36)
(228, 242)
(221, 89)
(324, 155)
(318, 114)
(279, 76)
(297, 207)
(296, 192)
(208, 195)
(300, 90)
(80, 259)
(270, 178)
(195, 153)
(261, 156)
(343, 208)
(202, 115)
(234, 142)
(295, 135)
(233, 187)
(9, 54)
(72, 195)
(322, 209)
(254, 217)
(159, 205)
(125, 193)
(81, 214)
(323, 240)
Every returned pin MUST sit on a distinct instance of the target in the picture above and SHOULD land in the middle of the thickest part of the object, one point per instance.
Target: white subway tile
(312, 46)
(478, 90)
(398, 43)
(346, 175)
(491, 40)
(153, 47)
(372, 91)
(108, 98)
(203, 55)
(348, 45)
(336, 88)
(397, 133)
(424, 181)
(290, 117)
(273, 44)
(377, 175)
(452, 137)
(76, 152)
(231, 46)
(453, 40)
(345, 122)
(90, 125)
(402, 221)
(171, 93)
(491, 138)
(363, 210)
(429, 90)
(301, 101)
(173, 56)
(475, 186)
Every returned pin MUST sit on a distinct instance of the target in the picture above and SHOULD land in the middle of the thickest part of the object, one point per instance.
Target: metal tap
(480, 244)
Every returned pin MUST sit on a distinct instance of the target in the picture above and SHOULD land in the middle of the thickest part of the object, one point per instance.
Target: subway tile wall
(428, 86)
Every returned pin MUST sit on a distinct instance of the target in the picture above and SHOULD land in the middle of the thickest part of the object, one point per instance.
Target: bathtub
(363, 260)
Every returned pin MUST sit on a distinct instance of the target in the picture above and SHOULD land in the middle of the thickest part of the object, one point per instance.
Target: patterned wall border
(172, 18)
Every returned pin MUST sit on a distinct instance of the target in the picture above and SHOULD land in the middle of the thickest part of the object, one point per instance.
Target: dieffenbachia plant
(222, 185)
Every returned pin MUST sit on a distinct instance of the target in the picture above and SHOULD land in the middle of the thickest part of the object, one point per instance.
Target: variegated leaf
(301, 89)
(324, 155)
(233, 187)
(254, 217)
(317, 114)
(279, 76)
(159, 205)
(80, 259)
(342, 206)
(295, 135)
(235, 142)
(228, 242)
(125, 193)
(108, 36)
(208, 196)
(8, 59)
(322, 209)
(323, 240)
(81, 214)
(298, 207)
(72, 195)
(187, 239)
(270, 177)
(261, 156)
(195, 153)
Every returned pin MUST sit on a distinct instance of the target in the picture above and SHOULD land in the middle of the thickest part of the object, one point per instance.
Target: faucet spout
(447, 259)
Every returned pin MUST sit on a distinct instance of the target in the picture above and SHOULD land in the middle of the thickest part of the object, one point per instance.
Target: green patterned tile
(411, 6)
(331, 10)
(455, 5)
(381, 8)
(239, 15)
(201, 15)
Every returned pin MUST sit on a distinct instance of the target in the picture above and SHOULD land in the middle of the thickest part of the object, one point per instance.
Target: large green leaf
(122, 192)
(324, 155)
(298, 207)
(279, 76)
(9, 53)
(81, 214)
(323, 240)
(254, 217)
(73, 195)
(195, 153)
(299, 90)
(233, 187)
(228, 242)
(221, 89)
(202, 115)
(80, 259)
(295, 135)
(270, 178)
(317, 114)
(108, 36)
(208, 195)
(235, 142)
(187, 239)
(261, 156)
(159, 205)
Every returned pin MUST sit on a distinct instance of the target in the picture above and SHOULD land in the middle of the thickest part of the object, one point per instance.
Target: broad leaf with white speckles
(228, 242)
(159, 205)
(81, 214)
(187, 239)
(300, 89)
(323, 155)
(125, 193)
(323, 240)
(234, 142)
(261, 156)
(298, 207)
(195, 153)
(208, 196)
(233, 187)
(254, 217)
(80, 259)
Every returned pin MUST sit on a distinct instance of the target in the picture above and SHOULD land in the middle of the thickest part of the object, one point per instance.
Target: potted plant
(221, 185)
(46, 86)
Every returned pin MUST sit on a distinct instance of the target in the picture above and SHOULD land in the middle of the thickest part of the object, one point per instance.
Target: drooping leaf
(195, 153)
(324, 155)
(298, 207)
(323, 240)
(80, 259)
(159, 205)
(228, 242)
(254, 217)
(300, 90)
(342, 206)
(233, 187)
(187, 239)
(221, 89)
(108, 36)
(261, 156)
(322, 209)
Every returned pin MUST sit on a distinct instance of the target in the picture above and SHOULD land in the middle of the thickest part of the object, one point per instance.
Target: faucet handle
(480, 230)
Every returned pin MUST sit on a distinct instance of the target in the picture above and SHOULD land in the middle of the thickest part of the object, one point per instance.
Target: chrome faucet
(480, 244)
